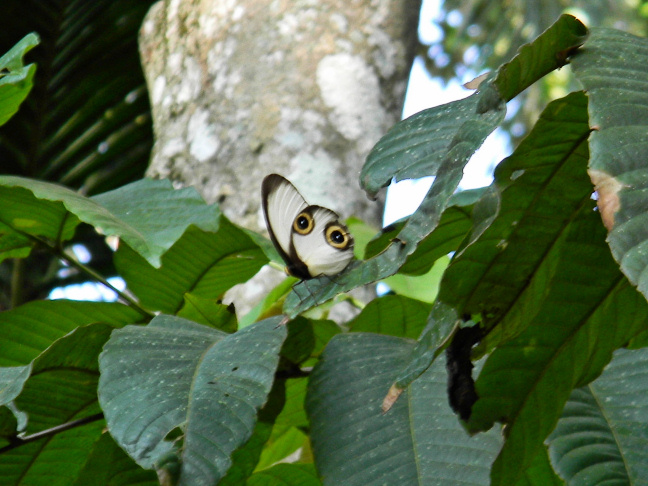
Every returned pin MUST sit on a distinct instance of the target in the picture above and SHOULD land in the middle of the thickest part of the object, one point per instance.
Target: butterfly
(310, 239)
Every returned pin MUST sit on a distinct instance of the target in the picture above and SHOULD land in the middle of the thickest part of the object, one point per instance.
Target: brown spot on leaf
(607, 188)
(391, 397)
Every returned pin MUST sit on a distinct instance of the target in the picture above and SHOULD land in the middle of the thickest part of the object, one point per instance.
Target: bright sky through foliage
(425, 92)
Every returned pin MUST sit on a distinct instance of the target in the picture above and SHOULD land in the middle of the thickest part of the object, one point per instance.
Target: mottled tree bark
(243, 88)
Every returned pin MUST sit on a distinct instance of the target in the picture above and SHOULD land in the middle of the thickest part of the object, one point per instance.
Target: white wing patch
(313, 249)
(283, 204)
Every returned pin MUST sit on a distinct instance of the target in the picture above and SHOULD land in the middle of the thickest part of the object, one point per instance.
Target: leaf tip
(474, 84)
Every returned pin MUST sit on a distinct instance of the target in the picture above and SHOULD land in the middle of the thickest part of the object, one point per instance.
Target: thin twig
(19, 441)
(73, 262)
(70, 260)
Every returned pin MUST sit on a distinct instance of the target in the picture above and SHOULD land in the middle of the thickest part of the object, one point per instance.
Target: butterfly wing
(327, 248)
(281, 205)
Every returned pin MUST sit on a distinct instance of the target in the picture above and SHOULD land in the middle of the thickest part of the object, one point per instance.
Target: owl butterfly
(310, 239)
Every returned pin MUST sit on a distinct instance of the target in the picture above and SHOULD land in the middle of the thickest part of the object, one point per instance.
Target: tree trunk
(240, 89)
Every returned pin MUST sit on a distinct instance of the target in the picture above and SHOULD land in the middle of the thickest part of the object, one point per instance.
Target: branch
(73, 262)
(57, 250)
(18, 441)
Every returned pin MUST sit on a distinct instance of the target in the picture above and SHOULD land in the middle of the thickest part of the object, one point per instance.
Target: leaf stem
(57, 249)
(73, 262)
(19, 441)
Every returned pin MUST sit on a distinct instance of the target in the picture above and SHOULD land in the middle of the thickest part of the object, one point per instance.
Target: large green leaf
(602, 435)
(158, 213)
(418, 442)
(108, 465)
(149, 214)
(62, 387)
(439, 142)
(176, 392)
(30, 329)
(539, 189)
(205, 264)
(613, 68)
(36, 331)
(573, 326)
(15, 78)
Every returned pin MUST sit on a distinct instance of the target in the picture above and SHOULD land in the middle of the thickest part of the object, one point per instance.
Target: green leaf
(421, 287)
(568, 339)
(209, 312)
(393, 315)
(30, 329)
(177, 377)
(157, 214)
(149, 215)
(419, 441)
(547, 53)
(539, 189)
(15, 78)
(205, 264)
(605, 424)
(24, 216)
(12, 380)
(108, 465)
(62, 387)
(613, 68)
(283, 442)
(286, 475)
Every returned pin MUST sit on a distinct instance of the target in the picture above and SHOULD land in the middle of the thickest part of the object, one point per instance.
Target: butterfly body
(309, 238)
